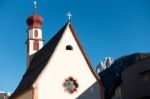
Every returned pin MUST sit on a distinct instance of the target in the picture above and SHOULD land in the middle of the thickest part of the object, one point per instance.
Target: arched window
(69, 47)
(36, 33)
(35, 45)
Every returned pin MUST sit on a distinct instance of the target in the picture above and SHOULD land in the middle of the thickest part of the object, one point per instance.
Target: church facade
(58, 70)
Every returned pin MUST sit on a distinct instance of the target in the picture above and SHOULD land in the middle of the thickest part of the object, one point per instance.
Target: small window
(35, 45)
(36, 33)
(69, 47)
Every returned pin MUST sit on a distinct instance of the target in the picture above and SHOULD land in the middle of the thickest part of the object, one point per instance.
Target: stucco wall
(62, 65)
(26, 95)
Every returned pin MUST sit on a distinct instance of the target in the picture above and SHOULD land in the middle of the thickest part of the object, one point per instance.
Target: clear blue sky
(105, 28)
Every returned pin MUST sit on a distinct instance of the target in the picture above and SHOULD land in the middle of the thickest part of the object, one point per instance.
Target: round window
(70, 85)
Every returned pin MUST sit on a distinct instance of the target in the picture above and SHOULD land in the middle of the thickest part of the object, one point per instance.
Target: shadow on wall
(93, 92)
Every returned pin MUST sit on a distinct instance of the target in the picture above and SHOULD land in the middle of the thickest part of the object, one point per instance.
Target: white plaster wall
(63, 64)
(27, 95)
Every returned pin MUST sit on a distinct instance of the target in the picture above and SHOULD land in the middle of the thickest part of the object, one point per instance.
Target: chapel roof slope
(111, 77)
(39, 62)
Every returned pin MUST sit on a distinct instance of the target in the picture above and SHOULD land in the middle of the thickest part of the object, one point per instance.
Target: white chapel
(60, 69)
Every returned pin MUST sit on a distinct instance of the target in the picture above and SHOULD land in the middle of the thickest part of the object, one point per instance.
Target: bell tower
(34, 34)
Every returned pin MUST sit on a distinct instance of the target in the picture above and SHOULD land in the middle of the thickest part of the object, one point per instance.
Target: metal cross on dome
(35, 6)
(69, 15)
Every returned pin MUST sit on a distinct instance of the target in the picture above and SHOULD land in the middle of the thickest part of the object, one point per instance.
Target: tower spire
(35, 6)
(34, 38)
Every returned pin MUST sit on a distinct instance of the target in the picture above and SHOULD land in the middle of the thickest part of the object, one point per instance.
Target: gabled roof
(111, 77)
(41, 58)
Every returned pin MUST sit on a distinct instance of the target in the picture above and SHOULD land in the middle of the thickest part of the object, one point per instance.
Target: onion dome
(34, 21)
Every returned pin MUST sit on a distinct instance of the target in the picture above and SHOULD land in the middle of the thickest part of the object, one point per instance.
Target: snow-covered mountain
(106, 63)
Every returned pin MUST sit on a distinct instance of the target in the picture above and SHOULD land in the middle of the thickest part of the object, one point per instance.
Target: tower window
(35, 45)
(36, 33)
(69, 47)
